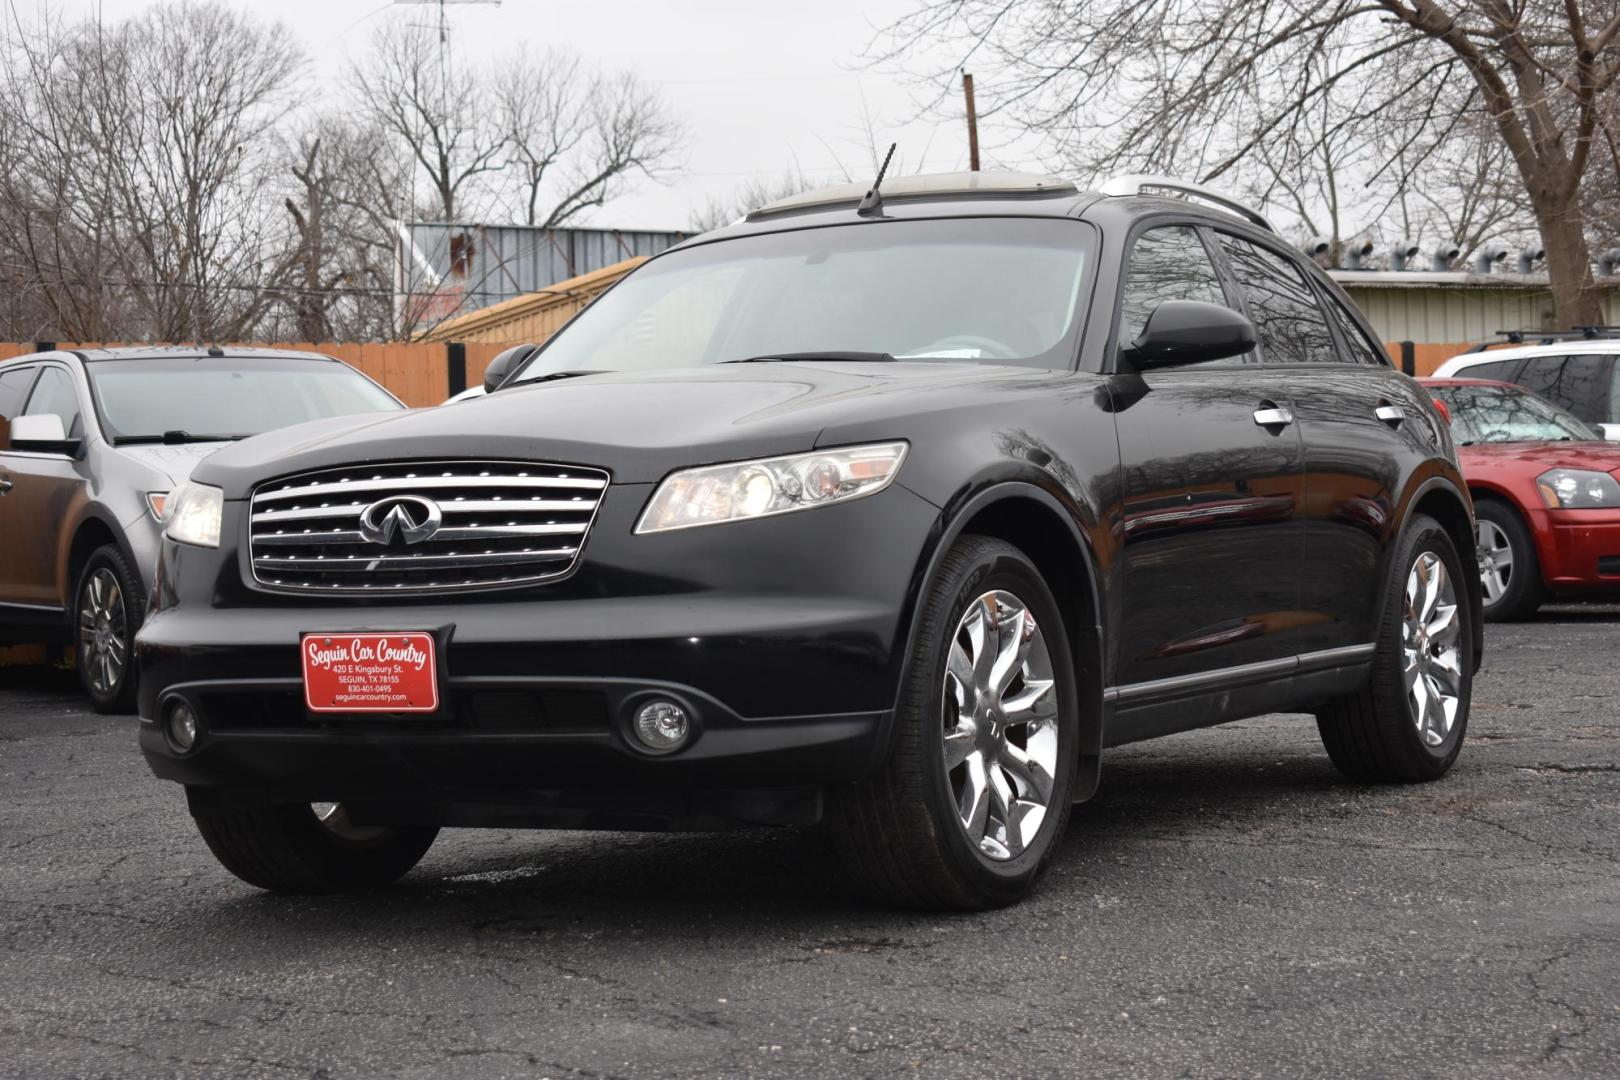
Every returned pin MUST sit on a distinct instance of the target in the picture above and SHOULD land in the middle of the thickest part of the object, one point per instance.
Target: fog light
(182, 724)
(662, 726)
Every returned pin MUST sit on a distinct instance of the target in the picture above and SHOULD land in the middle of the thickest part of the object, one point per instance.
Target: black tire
(1372, 734)
(107, 608)
(898, 832)
(1523, 593)
(288, 849)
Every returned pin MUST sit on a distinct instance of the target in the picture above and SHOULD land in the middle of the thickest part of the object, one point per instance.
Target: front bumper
(1579, 550)
(781, 638)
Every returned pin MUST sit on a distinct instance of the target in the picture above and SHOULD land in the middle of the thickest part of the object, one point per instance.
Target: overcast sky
(764, 86)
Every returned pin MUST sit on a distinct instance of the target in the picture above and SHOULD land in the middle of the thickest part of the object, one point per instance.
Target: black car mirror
(42, 434)
(504, 364)
(1190, 332)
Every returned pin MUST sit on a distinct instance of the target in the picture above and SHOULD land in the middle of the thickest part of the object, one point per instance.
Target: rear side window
(1501, 370)
(55, 393)
(1290, 325)
(1358, 347)
(1544, 375)
(1583, 387)
(1165, 264)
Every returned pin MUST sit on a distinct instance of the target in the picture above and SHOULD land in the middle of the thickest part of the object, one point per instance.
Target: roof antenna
(872, 203)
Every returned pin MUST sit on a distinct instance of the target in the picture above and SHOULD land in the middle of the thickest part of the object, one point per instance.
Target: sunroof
(1004, 184)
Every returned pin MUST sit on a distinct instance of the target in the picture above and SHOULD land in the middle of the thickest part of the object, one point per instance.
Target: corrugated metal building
(1430, 307)
(442, 270)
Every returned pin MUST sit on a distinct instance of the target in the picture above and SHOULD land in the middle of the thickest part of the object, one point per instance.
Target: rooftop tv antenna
(872, 202)
(443, 26)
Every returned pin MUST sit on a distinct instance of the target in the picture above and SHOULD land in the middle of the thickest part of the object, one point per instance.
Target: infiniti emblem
(409, 519)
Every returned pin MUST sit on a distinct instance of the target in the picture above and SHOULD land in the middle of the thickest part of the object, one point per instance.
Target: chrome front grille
(422, 526)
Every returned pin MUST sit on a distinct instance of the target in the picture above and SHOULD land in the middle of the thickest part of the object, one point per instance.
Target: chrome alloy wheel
(1000, 724)
(1495, 559)
(103, 652)
(1431, 649)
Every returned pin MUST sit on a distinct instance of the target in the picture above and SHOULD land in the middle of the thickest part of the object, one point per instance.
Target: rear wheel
(1509, 572)
(308, 847)
(107, 612)
(1407, 723)
(970, 804)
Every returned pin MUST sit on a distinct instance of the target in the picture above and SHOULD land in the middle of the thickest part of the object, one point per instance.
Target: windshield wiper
(173, 438)
(555, 375)
(858, 357)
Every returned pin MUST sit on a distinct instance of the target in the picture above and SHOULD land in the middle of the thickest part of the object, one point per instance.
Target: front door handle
(5, 486)
(1393, 415)
(1272, 416)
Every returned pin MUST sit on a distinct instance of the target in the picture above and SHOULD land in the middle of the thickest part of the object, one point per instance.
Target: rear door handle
(5, 486)
(1393, 415)
(1269, 416)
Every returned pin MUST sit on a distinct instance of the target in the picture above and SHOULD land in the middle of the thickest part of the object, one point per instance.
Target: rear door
(1359, 420)
(1211, 472)
(44, 486)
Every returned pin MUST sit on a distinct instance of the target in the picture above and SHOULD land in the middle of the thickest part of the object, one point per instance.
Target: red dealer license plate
(369, 672)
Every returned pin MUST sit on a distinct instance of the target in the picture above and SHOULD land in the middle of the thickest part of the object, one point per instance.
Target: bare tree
(1200, 86)
(539, 98)
(135, 190)
(629, 133)
(435, 108)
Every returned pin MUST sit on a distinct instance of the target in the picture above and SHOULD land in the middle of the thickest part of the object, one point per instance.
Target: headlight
(753, 489)
(193, 513)
(1578, 489)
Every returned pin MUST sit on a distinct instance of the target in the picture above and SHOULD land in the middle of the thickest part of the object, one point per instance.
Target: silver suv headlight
(1578, 489)
(766, 486)
(192, 514)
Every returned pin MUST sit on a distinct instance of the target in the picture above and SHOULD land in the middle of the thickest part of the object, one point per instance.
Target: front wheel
(1407, 722)
(107, 609)
(307, 847)
(1509, 573)
(967, 810)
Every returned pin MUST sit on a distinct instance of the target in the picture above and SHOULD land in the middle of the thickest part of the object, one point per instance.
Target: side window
(1291, 328)
(1357, 345)
(13, 385)
(55, 393)
(1584, 387)
(1165, 264)
(1500, 370)
(1544, 375)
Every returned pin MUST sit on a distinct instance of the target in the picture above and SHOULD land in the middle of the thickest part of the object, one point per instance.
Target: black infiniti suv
(891, 513)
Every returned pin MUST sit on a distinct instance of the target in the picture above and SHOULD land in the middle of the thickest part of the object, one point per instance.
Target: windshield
(993, 289)
(230, 396)
(1501, 414)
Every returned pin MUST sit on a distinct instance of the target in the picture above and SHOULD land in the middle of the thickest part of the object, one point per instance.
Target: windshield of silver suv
(1002, 290)
(177, 399)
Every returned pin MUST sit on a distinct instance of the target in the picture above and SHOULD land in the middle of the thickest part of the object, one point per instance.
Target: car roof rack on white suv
(1548, 337)
(1143, 184)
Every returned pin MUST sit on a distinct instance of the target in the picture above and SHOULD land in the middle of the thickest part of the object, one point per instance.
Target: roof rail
(1548, 337)
(1136, 184)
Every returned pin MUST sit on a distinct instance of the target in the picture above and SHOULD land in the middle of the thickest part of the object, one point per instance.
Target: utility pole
(973, 123)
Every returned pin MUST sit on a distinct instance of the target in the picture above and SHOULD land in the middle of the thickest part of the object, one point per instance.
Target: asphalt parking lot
(1227, 907)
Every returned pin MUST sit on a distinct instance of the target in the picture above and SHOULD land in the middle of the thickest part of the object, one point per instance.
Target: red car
(1545, 494)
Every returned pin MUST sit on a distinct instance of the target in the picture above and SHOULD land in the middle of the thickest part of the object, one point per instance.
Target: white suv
(1581, 374)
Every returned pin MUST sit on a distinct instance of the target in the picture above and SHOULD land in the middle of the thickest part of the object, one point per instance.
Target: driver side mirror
(42, 433)
(504, 364)
(1610, 432)
(1190, 332)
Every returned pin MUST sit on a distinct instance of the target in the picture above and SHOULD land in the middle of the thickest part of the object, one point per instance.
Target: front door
(1212, 485)
(40, 501)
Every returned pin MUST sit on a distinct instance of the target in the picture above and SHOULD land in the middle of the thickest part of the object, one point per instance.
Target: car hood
(637, 424)
(175, 462)
(1540, 456)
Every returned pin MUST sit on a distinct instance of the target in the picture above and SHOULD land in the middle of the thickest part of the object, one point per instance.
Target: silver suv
(91, 443)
